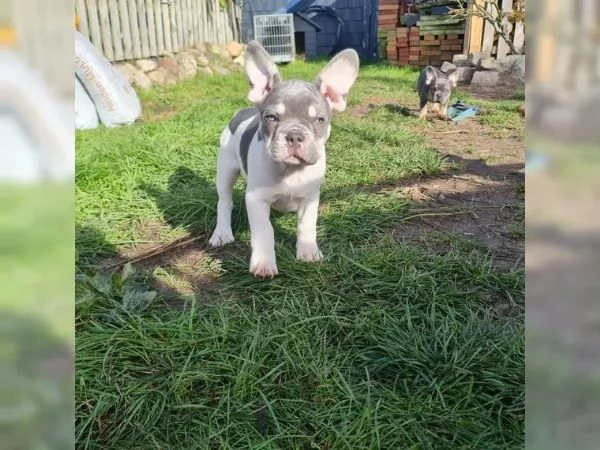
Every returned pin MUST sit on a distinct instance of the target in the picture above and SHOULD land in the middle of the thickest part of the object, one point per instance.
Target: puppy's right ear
(430, 75)
(262, 72)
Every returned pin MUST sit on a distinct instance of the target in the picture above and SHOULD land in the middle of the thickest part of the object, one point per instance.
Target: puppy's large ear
(262, 72)
(430, 75)
(453, 78)
(338, 76)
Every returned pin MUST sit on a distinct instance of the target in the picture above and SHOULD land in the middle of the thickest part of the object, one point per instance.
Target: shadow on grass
(37, 384)
(378, 322)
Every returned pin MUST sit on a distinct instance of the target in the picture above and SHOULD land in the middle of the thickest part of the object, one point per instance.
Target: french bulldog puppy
(435, 88)
(278, 146)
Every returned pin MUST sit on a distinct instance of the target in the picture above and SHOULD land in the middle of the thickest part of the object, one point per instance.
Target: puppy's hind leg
(228, 172)
(423, 108)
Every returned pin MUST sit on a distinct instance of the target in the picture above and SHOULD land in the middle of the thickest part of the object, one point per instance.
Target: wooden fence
(135, 29)
(43, 34)
(480, 34)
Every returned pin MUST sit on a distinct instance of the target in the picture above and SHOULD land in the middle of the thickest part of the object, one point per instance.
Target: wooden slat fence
(480, 34)
(135, 29)
(44, 37)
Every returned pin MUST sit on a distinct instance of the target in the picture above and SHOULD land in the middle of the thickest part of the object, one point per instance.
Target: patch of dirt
(479, 198)
(363, 109)
(485, 212)
(179, 269)
(501, 91)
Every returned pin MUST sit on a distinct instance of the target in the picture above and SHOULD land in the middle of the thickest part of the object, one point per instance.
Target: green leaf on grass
(127, 272)
(136, 299)
(101, 283)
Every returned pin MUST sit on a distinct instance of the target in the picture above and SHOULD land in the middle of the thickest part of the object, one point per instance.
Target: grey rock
(448, 67)
(239, 60)
(146, 65)
(485, 78)
(162, 76)
(202, 61)
(169, 63)
(465, 74)
(234, 49)
(127, 70)
(187, 65)
(475, 58)
(460, 60)
(142, 80)
(488, 63)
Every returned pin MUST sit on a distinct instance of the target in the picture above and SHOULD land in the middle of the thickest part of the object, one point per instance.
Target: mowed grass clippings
(382, 345)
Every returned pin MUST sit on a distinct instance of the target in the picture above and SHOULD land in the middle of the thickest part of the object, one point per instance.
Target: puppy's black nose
(294, 137)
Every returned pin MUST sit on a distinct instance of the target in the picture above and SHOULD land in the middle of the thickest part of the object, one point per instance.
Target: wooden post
(173, 27)
(489, 32)
(135, 29)
(503, 49)
(473, 31)
(519, 36)
(117, 40)
(194, 12)
(152, 28)
(143, 25)
(126, 30)
(546, 47)
(81, 12)
(160, 37)
(93, 20)
(179, 22)
(107, 45)
(166, 20)
(184, 24)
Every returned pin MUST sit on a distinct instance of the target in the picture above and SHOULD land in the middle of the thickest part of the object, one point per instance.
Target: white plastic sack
(86, 116)
(116, 101)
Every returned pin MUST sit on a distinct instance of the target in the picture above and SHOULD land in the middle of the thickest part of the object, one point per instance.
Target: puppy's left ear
(338, 76)
(453, 78)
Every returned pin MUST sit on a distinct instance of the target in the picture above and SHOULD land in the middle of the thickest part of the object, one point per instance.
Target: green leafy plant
(126, 288)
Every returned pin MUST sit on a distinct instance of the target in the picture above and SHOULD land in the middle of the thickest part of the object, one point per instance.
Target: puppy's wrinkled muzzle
(298, 151)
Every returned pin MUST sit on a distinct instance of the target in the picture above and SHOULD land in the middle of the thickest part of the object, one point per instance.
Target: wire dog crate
(275, 32)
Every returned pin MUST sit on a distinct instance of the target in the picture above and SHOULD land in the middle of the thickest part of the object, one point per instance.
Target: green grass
(382, 345)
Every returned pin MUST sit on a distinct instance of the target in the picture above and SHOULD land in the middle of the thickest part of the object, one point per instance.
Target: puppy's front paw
(308, 252)
(263, 267)
(221, 237)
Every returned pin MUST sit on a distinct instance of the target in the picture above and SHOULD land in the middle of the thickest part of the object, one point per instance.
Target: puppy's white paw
(308, 252)
(221, 237)
(263, 267)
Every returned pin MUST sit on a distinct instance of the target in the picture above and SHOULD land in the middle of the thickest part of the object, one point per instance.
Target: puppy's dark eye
(271, 117)
(320, 120)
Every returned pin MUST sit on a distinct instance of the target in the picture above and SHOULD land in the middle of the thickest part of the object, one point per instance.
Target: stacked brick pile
(389, 14)
(435, 49)
(389, 19)
(435, 39)
(408, 45)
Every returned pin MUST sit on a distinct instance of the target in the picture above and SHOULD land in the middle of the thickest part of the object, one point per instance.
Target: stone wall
(205, 58)
(479, 70)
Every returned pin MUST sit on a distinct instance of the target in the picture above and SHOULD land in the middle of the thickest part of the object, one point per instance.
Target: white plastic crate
(275, 32)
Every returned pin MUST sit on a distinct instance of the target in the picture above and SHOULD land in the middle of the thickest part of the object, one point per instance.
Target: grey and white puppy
(435, 88)
(278, 146)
